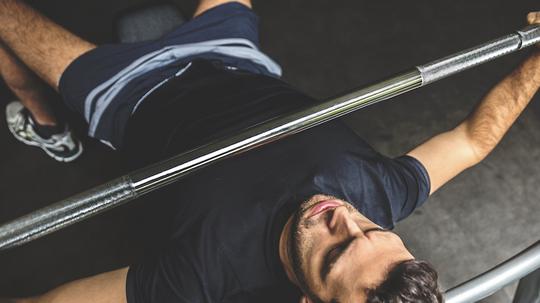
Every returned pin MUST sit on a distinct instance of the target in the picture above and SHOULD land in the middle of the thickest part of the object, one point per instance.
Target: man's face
(334, 253)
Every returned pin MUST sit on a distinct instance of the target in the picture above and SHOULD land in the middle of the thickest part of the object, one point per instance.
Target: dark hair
(409, 281)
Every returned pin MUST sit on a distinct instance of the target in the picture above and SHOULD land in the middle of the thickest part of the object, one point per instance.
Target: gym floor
(480, 219)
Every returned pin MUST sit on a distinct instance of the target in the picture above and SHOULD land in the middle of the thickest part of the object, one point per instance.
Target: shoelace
(65, 140)
(21, 124)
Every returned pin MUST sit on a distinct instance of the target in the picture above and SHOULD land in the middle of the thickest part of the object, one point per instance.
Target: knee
(205, 5)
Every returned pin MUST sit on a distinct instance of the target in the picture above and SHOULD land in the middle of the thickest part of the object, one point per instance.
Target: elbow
(477, 145)
(480, 151)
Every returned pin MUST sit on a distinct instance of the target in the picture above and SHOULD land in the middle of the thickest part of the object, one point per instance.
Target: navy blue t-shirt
(229, 216)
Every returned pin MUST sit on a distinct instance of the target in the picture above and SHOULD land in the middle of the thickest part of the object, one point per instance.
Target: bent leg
(205, 5)
(26, 86)
(108, 287)
(44, 46)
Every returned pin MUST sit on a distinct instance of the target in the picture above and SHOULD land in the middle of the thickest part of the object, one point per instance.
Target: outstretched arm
(448, 154)
(108, 287)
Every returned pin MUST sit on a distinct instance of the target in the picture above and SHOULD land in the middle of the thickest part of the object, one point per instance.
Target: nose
(343, 223)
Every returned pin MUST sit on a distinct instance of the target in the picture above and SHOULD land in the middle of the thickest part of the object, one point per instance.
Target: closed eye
(332, 256)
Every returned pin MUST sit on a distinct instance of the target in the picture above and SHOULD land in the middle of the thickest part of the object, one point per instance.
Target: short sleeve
(168, 277)
(385, 190)
(187, 270)
(411, 186)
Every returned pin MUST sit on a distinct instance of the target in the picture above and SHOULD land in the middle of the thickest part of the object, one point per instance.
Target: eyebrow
(327, 263)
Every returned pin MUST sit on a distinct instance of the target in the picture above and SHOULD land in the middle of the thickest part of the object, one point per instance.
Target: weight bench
(148, 22)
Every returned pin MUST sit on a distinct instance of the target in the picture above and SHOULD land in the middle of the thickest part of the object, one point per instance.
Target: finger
(533, 18)
(304, 299)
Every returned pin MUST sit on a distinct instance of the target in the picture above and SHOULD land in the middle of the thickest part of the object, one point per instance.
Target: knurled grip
(472, 57)
(66, 212)
(469, 58)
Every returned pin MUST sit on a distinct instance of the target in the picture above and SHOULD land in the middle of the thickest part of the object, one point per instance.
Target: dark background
(484, 216)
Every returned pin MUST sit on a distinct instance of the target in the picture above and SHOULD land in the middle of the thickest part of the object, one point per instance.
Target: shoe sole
(55, 157)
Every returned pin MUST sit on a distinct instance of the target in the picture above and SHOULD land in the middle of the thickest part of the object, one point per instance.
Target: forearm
(446, 155)
(496, 113)
(103, 288)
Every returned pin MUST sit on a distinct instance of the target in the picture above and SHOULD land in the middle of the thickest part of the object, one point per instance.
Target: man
(306, 218)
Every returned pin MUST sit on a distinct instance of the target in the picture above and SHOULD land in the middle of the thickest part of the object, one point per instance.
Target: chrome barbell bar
(140, 182)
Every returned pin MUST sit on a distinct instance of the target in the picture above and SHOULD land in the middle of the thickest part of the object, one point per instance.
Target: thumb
(533, 18)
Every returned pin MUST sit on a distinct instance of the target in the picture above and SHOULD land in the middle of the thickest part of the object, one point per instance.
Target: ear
(305, 299)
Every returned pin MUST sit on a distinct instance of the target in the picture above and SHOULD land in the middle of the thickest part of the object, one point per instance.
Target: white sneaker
(63, 147)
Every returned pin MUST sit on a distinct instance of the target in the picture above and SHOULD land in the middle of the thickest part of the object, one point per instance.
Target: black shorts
(107, 84)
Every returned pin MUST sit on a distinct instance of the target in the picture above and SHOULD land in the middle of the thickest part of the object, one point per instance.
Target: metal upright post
(496, 278)
(528, 290)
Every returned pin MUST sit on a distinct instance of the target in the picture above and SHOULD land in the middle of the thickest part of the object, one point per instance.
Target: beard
(300, 242)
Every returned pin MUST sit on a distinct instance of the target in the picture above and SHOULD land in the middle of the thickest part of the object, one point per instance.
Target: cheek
(305, 240)
(312, 232)
(311, 239)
